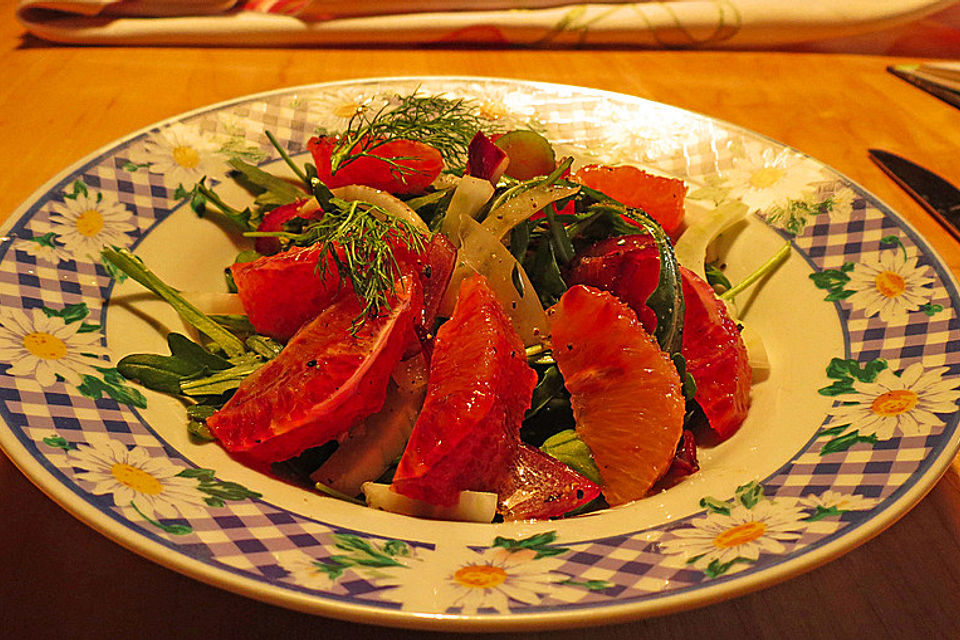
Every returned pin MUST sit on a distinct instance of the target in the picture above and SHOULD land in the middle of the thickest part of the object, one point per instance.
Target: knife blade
(940, 198)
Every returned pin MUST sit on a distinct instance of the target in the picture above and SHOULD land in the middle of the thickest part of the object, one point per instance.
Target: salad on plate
(442, 318)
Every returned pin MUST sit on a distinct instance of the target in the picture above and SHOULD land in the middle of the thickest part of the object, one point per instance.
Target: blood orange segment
(396, 166)
(625, 392)
(540, 487)
(716, 356)
(324, 381)
(628, 267)
(283, 291)
(275, 219)
(659, 196)
(479, 387)
(433, 267)
(440, 260)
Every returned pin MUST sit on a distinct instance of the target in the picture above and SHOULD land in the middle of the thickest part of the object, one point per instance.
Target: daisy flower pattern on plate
(86, 222)
(889, 286)
(738, 534)
(334, 110)
(45, 347)
(304, 570)
(763, 176)
(842, 202)
(470, 580)
(642, 139)
(181, 153)
(834, 503)
(893, 404)
(792, 214)
(150, 485)
(44, 248)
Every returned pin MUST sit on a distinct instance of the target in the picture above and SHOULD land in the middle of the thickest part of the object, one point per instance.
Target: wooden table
(60, 579)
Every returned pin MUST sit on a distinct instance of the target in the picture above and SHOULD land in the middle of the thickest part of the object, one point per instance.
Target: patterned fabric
(914, 27)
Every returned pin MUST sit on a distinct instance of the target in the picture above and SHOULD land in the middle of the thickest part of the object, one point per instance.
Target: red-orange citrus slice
(628, 267)
(659, 196)
(625, 391)
(326, 379)
(478, 389)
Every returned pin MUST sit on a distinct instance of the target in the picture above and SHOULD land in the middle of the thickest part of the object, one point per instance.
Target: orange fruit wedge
(394, 166)
(326, 380)
(628, 267)
(478, 389)
(659, 196)
(283, 291)
(625, 392)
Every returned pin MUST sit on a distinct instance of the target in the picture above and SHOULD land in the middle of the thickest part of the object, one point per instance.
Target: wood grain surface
(60, 579)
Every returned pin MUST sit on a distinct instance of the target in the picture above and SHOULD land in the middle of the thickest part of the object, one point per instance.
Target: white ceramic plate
(854, 423)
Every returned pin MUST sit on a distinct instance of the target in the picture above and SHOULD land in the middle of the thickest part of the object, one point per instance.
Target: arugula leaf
(189, 351)
(130, 264)
(303, 175)
(276, 191)
(202, 195)
(716, 277)
(160, 373)
(545, 274)
(763, 270)
(197, 424)
(549, 387)
(222, 381)
(568, 448)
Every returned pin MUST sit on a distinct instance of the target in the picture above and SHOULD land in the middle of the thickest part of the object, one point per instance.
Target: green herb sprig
(361, 239)
(447, 125)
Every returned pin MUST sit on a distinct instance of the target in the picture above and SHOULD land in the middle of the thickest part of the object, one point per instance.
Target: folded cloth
(141, 8)
(670, 24)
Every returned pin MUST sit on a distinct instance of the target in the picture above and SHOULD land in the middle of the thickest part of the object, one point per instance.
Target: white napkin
(671, 24)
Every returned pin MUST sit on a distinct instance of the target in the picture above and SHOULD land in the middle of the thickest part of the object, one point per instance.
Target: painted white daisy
(237, 134)
(834, 500)
(41, 347)
(643, 138)
(44, 248)
(234, 124)
(905, 404)
(763, 176)
(135, 478)
(468, 580)
(889, 286)
(304, 569)
(491, 107)
(89, 222)
(182, 154)
(842, 200)
(333, 110)
(513, 106)
(741, 535)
